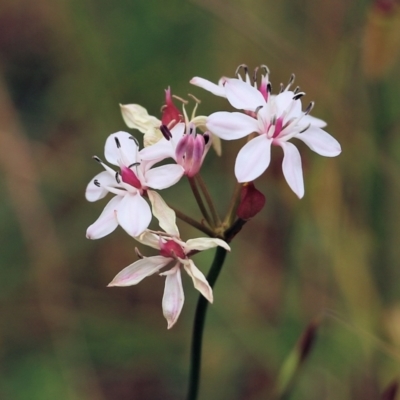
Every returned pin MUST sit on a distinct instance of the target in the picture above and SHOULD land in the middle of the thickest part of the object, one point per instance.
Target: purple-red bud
(170, 113)
(251, 201)
(391, 391)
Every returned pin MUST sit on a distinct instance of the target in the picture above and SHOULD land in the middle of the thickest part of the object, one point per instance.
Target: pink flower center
(129, 177)
(171, 249)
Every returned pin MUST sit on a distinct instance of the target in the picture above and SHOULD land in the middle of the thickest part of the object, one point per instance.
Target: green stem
(207, 196)
(193, 222)
(233, 205)
(198, 326)
(199, 200)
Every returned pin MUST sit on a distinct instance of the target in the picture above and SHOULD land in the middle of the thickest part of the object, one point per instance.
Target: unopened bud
(252, 201)
(381, 38)
(170, 113)
(391, 391)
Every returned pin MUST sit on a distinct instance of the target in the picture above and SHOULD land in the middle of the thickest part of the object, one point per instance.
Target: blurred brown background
(332, 257)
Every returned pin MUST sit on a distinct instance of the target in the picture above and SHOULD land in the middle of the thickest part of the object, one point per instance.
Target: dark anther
(190, 130)
(296, 90)
(309, 108)
(117, 142)
(135, 164)
(135, 140)
(166, 132)
(269, 88)
(303, 130)
(97, 159)
(298, 95)
(258, 109)
(273, 121)
(255, 74)
(245, 68)
(96, 182)
(291, 80)
(206, 137)
(117, 177)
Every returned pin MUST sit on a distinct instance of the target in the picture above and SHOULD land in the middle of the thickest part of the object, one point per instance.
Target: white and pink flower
(172, 250)
(275, 119)
(135, 177)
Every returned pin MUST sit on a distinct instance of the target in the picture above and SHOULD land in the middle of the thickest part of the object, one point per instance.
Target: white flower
(172, 250)
(183, 144)
(128, 208)
(275, 119)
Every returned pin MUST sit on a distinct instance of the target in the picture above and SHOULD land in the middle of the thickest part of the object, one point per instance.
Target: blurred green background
(331, 258)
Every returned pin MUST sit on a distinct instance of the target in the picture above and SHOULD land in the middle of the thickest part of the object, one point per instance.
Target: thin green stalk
(199, 200)
(193, 222)
(198, 326)
(207, 196)
(235, 199)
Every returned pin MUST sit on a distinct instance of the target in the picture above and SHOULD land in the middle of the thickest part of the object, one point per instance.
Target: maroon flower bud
(170, 113)
(251, 201)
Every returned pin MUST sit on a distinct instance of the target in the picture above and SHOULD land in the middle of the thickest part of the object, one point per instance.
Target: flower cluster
(266, 119)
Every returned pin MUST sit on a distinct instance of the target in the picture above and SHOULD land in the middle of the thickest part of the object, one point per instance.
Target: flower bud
(170, 113)
(251, 201)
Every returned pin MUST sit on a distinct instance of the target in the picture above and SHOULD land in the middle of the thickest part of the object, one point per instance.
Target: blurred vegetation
(331, 259)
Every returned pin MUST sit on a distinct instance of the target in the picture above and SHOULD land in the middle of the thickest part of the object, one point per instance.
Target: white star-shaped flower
(172, 250)
(128, 208)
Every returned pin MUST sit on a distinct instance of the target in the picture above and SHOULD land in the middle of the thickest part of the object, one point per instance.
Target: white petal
(107, 221)
(95, 192)
(157, 152)
(253, 159)
(174, 297)
(207, 85)
(320, 141)
(134, 214)
(127, 153)
(165, 215)
(231, 126)
(284, 100)
(199, 280)
(149, 239)
(205, 243)
(292, 169)
(139, 270)
(309, 119)
(242, 95)
(164, 176)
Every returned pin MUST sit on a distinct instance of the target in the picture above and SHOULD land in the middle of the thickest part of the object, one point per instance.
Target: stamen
(265, 68)
(281, 88)
(245, 68)
(117, 142)
(135, 164)
(269, 88)
(95, 158)
(97, 183)
(135, 140)
(206, 137)
(303, 130)
(296, 90)
(291, 80)
(138, 253)
(298, 95)
(194, 98)
(166, 132)
(117, 178)
(309, 108)
(258, 109)
(180, 99)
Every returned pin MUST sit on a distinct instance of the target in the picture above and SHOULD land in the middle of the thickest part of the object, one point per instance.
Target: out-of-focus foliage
(332, 257)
